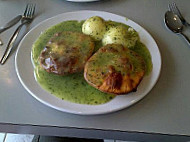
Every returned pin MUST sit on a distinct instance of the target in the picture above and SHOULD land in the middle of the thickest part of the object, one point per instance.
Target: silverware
(173, 7)
(1, 42)
(10, 23)
(174, 23)
(26, 19)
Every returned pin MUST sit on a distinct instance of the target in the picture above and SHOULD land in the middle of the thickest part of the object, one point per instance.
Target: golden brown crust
(125, 85)
(66, 53)
(119, 75)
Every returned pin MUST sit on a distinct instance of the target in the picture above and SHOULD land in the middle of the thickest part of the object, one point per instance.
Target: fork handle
(186, 24)
(1, 42)
(185, 37)
(11, 44)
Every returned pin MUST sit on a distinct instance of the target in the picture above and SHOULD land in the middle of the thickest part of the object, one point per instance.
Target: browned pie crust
(115, 69)
(66, 53)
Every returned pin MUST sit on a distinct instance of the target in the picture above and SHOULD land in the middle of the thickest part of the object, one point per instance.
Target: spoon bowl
(174, 23)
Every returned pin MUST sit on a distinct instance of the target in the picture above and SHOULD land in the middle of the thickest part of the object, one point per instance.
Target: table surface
(163, 113)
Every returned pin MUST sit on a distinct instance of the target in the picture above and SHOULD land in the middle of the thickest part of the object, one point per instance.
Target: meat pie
(115, 69)
(66, 53)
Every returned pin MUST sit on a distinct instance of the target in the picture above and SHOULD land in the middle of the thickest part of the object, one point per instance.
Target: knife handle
(11, 44)
(11, 23)
(1, 42)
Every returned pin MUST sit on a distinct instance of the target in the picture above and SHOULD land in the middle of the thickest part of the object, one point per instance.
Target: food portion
(72, 88)
(108, 55)
(110, 32)
(95, 27)
(115, 69)
(66, 53)
(120, 35)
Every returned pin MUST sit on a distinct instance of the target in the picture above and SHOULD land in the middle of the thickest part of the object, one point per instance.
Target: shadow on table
(62, 139)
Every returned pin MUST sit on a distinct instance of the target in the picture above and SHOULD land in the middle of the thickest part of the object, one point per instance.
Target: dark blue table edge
(46, 130)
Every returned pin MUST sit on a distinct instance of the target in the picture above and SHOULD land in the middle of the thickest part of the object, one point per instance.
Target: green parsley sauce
(73, 87)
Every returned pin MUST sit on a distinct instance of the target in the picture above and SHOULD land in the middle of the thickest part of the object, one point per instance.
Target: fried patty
(115, 69)
(66, 53)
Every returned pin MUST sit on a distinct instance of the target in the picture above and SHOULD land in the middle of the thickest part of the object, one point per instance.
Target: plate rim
(82, 112)
(82, 0)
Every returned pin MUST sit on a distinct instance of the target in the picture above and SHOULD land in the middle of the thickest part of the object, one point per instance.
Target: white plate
(82, 0)
(25, 70)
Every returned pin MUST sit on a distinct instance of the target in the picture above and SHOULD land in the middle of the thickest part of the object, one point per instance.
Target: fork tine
(26, 10)
(170, 7)
(174, 8)
(34, 10)
(31, 10)
(177, 11)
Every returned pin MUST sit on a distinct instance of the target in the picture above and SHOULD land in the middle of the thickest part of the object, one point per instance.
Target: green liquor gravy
(73, 87)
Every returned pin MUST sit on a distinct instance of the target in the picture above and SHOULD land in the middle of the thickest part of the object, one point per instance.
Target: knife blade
(10, 23)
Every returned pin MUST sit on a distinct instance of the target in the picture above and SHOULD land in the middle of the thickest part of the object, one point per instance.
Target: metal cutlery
(1, 42)
(10, 23)
(173, 7)
(26, 19)
(174, 23)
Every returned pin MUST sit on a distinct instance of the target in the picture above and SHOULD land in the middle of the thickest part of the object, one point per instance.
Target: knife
(1, 42)
(10, 23)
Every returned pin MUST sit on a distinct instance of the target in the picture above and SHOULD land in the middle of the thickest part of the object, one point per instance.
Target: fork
(1, 42)
(9, 25)
(26, 19)
(173, 7)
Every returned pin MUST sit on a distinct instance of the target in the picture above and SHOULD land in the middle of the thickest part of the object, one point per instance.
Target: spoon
(174, 23)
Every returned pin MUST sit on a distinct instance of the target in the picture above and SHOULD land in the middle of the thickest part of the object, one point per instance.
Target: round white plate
(82, 0)
(25, 70)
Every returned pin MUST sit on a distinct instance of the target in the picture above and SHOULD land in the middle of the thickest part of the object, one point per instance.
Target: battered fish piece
(115, 69)
(66, 53)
